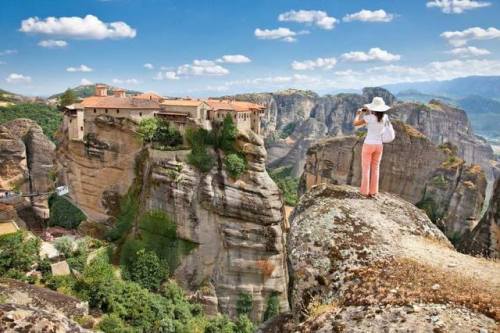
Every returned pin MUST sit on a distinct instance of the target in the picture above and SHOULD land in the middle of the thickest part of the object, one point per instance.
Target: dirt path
(432, 253)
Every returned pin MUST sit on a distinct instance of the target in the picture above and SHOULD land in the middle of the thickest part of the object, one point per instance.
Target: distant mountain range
(485, 86)
(87, 90)
(483, 112)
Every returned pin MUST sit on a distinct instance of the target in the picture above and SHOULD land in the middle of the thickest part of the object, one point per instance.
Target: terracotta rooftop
(182, 102)
(149, 95)
(113, 102)
(220, 104)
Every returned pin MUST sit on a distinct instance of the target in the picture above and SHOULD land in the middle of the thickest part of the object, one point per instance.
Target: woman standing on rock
(372, 115)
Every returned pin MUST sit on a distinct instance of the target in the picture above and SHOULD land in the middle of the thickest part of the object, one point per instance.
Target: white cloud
(234, 59)
(323, 63)
(7, 52)
(149, 66)
(314, 17)
(52, 44)
(374, 54)
(125, 81)
(202, 67)
(85, 82)
(88, 27)
(283, 34)
(461, 38)
(369, 16)
(18, 78)
(469, 51)
(196, 68)
(81, 68)
(457, 6)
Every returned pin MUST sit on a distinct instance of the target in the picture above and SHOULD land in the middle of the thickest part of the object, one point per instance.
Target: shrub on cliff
(235, 164)
(272, 308)
(160, 132)
(63, 213)
(288, 184)
(244, 304)
(146, 269)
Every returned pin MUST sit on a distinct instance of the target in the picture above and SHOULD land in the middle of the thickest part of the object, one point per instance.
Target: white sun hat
(378, 105)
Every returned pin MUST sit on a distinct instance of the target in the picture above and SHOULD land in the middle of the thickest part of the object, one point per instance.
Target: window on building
(95, 110)
(117, 111)
(81, 128)
(70, 121)
(106, 110)
(140, 114)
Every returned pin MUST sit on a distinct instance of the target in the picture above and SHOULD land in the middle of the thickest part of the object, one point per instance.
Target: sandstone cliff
(413, 167)
(236, 224)
(27, 161)
(359, 265)
(101, 169)
(485, 238)
(442, 123)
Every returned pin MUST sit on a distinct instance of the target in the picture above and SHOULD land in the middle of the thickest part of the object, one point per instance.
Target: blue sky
(207, 48)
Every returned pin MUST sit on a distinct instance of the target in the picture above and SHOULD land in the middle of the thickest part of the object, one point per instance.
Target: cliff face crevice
(484, 239)
(433, 177)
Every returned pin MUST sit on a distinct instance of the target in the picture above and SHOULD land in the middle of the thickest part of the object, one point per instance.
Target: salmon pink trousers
(370, 164)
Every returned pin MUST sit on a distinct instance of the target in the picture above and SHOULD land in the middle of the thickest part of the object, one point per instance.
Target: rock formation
(359, 265)
(20, 318)
(442, 123)
(485, 238)
(101, 169)
(27, 160)
(26, 308)
(237, 224)
(412, 167)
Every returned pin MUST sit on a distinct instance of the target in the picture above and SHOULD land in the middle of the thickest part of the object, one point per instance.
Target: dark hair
(379, 115)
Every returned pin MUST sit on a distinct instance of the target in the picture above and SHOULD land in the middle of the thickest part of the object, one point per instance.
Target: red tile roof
(219, 104)
(113, 102)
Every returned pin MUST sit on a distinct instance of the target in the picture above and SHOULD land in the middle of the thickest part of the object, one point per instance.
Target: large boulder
(375, 265)
(20, 318)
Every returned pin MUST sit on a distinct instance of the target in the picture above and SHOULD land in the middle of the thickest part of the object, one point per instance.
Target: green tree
(18, 254)
(199, 156)
(147, 129)
(235, 164)
(167, 135)
(227, 135)
(63, 213)
(146, 269)
(244, 304)
(67, 98)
